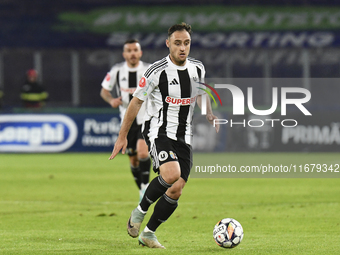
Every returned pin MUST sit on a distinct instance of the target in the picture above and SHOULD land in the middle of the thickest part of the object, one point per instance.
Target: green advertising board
(202, 18)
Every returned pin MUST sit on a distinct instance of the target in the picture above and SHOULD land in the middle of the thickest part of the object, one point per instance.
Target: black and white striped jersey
(125, 80)
(171, 93)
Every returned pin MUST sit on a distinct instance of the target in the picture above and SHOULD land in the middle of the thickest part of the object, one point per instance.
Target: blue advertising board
(58, 132)
(53, 133)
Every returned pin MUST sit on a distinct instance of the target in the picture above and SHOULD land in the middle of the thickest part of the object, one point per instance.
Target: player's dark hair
(131, 41)
(179, 27)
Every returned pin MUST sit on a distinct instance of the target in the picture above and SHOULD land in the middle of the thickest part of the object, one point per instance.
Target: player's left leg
(144, 166)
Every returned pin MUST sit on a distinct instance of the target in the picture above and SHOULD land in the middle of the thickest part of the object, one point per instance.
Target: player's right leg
(157, 187)
(134, 222)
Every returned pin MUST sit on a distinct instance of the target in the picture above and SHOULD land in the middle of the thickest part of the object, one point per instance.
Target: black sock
(155, 190)
(144, 166)
(162, 211)
(136, 174)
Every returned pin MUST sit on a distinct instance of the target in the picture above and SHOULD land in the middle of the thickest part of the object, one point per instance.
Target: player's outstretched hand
(120, 144)
(211, 118)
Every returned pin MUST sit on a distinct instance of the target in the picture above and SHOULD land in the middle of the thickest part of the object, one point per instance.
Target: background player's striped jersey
(171, 91)
(125, 81)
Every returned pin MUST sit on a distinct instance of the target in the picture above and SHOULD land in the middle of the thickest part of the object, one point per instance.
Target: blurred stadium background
(73, 44)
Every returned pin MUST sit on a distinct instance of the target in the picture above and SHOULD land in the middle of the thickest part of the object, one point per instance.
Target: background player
(124, 78)
(170, 88)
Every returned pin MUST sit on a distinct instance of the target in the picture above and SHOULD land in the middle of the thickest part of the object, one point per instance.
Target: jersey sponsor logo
(142, 82)
(180, 101)
(37, 133)
(163, 155)
(108, 77)
(129, 90)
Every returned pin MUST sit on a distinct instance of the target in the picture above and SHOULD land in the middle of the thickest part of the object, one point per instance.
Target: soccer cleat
(134, 222)
(149, 239)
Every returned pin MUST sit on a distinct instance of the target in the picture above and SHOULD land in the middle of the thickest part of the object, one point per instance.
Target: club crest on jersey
(180, 101)
(142, 82)
(172, 155)
(108, 77)
(163, 155)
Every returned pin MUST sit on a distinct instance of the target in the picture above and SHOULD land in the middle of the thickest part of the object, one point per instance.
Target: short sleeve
(145, 87)
(203, 74)
(201, 78)
(110, 79)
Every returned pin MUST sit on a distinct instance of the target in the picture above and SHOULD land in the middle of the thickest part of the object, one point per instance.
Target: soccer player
(170, 89)
(124, 77)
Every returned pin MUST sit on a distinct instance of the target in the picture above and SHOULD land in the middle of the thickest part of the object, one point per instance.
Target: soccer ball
(228, 233)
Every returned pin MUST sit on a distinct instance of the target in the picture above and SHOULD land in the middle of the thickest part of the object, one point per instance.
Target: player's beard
(178, 61)
(181, 62)
(133, 61)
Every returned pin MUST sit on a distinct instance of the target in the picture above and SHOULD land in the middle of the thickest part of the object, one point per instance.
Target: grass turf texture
(79, 204)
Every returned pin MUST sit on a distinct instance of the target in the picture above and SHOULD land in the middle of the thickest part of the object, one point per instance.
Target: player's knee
(170, 172)
(172, 177)
(143, 154)
(175, 193)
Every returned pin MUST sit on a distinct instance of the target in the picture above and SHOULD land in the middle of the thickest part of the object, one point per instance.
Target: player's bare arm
(210, 116)
(106, 95)
(130, 115)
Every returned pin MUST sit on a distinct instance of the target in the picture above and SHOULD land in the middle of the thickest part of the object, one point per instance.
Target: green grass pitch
(75, 203)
